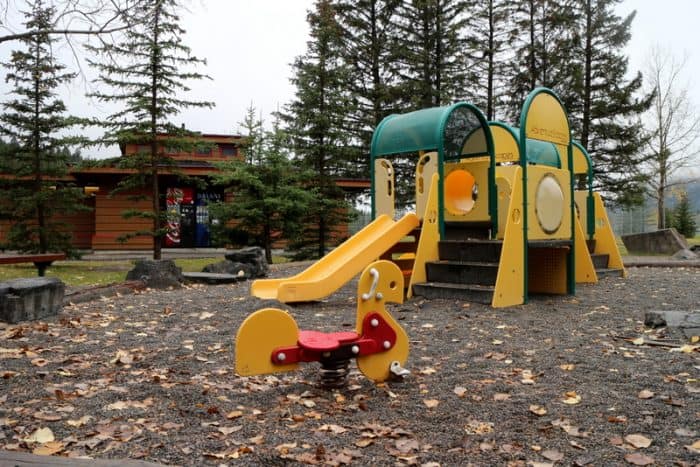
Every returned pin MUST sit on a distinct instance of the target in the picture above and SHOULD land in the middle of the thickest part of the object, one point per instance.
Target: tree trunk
(489, 78)
(155, 193)
(588, 60)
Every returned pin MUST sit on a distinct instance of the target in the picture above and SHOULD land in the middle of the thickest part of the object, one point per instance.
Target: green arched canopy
(456, 132)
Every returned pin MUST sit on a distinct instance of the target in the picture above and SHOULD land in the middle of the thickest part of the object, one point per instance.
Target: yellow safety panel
(510, 281)
(260, 334)
(580, 161)
(373, 292)
(384, 188)
(550, 208)
(340, 265)
(505, 179)
(547, 121)
(585, 270)
(425, 169)
(505, 145)
(604, 237)
(466, 191)
(429, 237)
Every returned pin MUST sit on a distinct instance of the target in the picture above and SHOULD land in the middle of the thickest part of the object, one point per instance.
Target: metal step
(467, 230)
(441, 290)
(470, 250)
(462, 272)
(600, 261)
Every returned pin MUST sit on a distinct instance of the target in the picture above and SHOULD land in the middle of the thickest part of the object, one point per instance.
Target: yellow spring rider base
(269, 340)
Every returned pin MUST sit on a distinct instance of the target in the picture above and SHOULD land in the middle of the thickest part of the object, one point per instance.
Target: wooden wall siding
(110, 223)
(80, 225)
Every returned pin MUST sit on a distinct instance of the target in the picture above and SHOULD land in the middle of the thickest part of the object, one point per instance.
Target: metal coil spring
(334, 373)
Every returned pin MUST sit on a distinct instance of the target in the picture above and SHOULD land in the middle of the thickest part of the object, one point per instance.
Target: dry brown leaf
(501, 396)
(48, 449)
(336, 429)
(538, 410)
(567, 366)
(123, 357)
(234, 414)
(79, 422)
(637, 458)
(406, 445)
(428, 371)
(39, 362)
(645, 394)
(205, 315)
(638, 441)
(460, 391)
(694, 448)
(46, 416)
(42, 435)
(617, 419)
(552, 455)
(363, 442)
(571, 398)
(227, 430)
(431, 403)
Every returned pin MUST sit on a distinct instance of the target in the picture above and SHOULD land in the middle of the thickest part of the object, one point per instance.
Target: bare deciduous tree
(672, 126)
(74, 17)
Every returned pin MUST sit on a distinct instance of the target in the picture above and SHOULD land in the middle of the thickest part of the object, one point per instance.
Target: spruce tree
(148, 71)
(316, 121)
(269, 197)
(605, 105)
(431, 50)
(369, 48)
(35, 194)
(683, 217)
(487, 44)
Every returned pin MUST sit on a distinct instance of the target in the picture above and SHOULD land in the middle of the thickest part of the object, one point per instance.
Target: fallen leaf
(123, 357)
(638, 441)
(406, 445)
(567, 366)
(336, 429)
(39, 362)
(617, 419)
(205, 315)
(694, 339)
(638, 341)
(79, 422)
(431, 403)
(48, 449)
(460, 391)
(645, 394)
(552, 455)
(49, 417)
(500, 396)
(42, 435)
(538, 410)
(637, 458)
(234, 414)
(694, 448)
(227, 430)
(571, 398)
(363, 443)
(428, 371)
(685, 433)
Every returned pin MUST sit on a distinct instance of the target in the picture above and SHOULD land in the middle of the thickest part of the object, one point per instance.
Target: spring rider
(269, 341)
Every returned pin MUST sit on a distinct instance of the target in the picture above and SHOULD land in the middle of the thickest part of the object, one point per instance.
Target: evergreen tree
(605, 106)
(541, 39)
(269, 199)
(369, 49)
(148, 71)
(34, 196)
(431, 49)
(487, 42)
(684, 218)
(316, 121)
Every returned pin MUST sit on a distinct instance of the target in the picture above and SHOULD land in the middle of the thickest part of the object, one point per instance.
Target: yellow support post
(585, 271)
(429, 238)
(604, 238)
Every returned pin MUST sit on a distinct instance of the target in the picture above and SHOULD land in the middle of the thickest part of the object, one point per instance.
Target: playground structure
(497, 216)
(379, 343)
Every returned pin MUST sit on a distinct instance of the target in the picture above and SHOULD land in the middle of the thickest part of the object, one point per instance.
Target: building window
(204, 150)
(228, 150)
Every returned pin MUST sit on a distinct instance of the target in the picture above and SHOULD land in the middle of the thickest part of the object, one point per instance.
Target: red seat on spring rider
(317, 341)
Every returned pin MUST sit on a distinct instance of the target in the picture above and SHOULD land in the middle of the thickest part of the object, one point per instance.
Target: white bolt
(281, 356)
(374, 323)
(355, 349)
(387, 344)
(380, 295)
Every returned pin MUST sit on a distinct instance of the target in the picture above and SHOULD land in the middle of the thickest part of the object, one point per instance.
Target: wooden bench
(40, 260)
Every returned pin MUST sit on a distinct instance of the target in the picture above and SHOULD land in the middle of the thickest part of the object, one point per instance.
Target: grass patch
(86, 273)
(694, 240)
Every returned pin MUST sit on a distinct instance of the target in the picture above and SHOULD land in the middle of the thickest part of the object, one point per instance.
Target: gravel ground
(150, 376)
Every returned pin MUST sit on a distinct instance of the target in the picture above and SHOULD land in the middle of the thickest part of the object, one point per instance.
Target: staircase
(600, 262)
(468, 265)
(407, 248)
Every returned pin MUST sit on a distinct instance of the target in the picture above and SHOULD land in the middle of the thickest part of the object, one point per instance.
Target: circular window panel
(549, 204)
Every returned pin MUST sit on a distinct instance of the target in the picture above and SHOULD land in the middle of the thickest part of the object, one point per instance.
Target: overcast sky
(249, 46)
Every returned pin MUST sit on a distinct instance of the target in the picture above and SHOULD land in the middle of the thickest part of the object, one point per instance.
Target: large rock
(253, 256)
(157, 274)
(685, 254)
(664, 241)
(687, 323)
(30, 299)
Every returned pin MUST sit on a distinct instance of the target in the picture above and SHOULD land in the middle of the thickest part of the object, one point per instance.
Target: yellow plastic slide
(340, 265)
